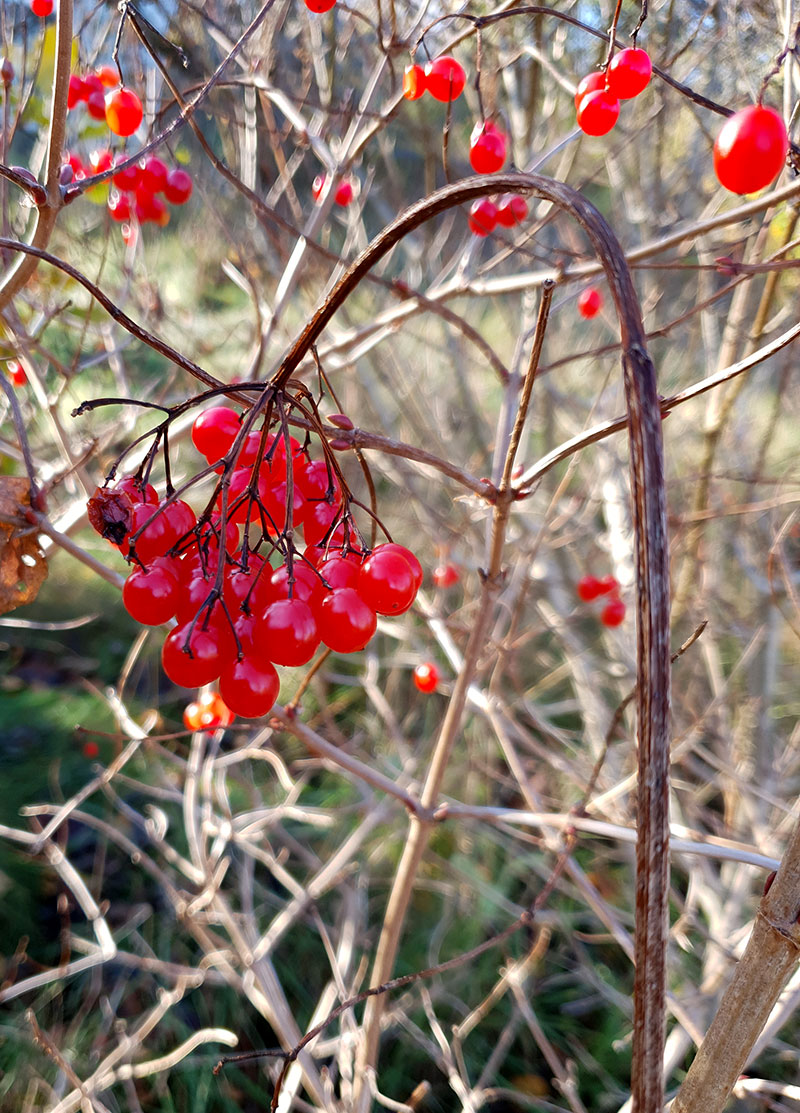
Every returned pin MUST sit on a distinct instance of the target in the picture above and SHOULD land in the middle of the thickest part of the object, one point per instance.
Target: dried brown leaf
(23, 567)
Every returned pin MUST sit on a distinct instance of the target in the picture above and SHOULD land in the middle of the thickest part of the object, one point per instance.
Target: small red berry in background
(344, 193)
(109, 75)
(613, 613)
(590, 303)
(598, 112)
(413, 82)
(511, 209)
(445, 78)
(178, 187)
(42, 8)
(487, 148)
(96, 105)
(123, 111)
(207, 713)
(751, 149)
(482, 217)
(589, 84)
(445, 575)
(16, 372)
(629, 73)
(427, 677)
(589, 588)
(90, 749)
(320, 6)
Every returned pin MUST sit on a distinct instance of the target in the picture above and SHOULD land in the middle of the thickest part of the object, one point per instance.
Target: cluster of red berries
(598, 94)
(485, 214)
(237, 615)
(590, 588)
(343, 194)
(444, 78)
(120, 108)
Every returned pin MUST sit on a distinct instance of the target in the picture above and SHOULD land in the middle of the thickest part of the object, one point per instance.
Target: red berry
(386, 583)
(249, 687)
(413, 82)
(445, 575)
(306, 586)
(16, 372)
(154, 175)
(751, 149)
(590, 302)
(77, 90)
(156, 537)
(407, 555)
(207, 713)
(108, 74)
(42, 8)
(346, 622)
(589, 84)
(487, 148)
(317, 186)
(150, 208)
(482, 217)
(427, 677)
(214, 431)
(319, 6)
(608, 584)
(119, 207)
(136, 491)
(178, 187)
(445, 78)
(589, 588)
(629, 73)
(123, 111)
(128, 179)
(151, 597)
(344, 193)
(96, 105)
(90, 749)
(92, 84)
(317, 482)
(319, 519)
(598, 112)
(287, 633)
(338, 572)
(194, 659)
(513, 209)
(613, 613)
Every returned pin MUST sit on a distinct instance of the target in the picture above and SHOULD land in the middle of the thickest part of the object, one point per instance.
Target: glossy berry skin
(445, 575)
(598, 112)
(751, 149)
(123, 111)
(214, 431)
(629, 73)
(445, 78)
(151, 597)
(16, 372)
(427, 677)
(487, 148)
(211, 650)
(208, 712)
(119, 207)
(414, 83)
(42, 8)
(249, 687)
(613, 613)
(320, 6)
(590, 302)
(178, 187)
(408, 556)
(287, 633)
(386, 583)
(589, 84)
(346, 622)
(156, 537)
(608, 584)
(513, 209)
(109, 75)
(589, 588)
(128, 179)
(482, 217)
(344, 194)
(154, 175)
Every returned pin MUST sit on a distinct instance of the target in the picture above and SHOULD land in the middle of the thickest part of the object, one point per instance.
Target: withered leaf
(23, 567)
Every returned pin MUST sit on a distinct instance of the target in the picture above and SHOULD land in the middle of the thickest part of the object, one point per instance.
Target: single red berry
(239, 585)
(629, 73)
(319, 6)
(154, 175)
(136, 491)
(119, 207)
(589, 84)
(318, 482)
(92, 83)
(413, 82)
(178, 187)
(445, 575)
(151, 597)
(108, 74)
(16, 372)
(42, 8)
(387, 583)
(608, 584)
(180, 519)
(751, 149)
(318, 522)
(590, 302)
(344, 193)
(427, 677)
(128, 179)
(77, 91)
(589, 588)
(156, 537)
(337, 572)
(598, 112)
(287, 633)
(407, 555)
(445, 78)
(512, 209)
(90, 749)
(487, 148)
(482, 217)
(317, 186)
(194, 659)
(96, 105)
(249, 687)
(214, 431)
(346, 622)
(123, 111)
(613, 613)
(306, 585)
